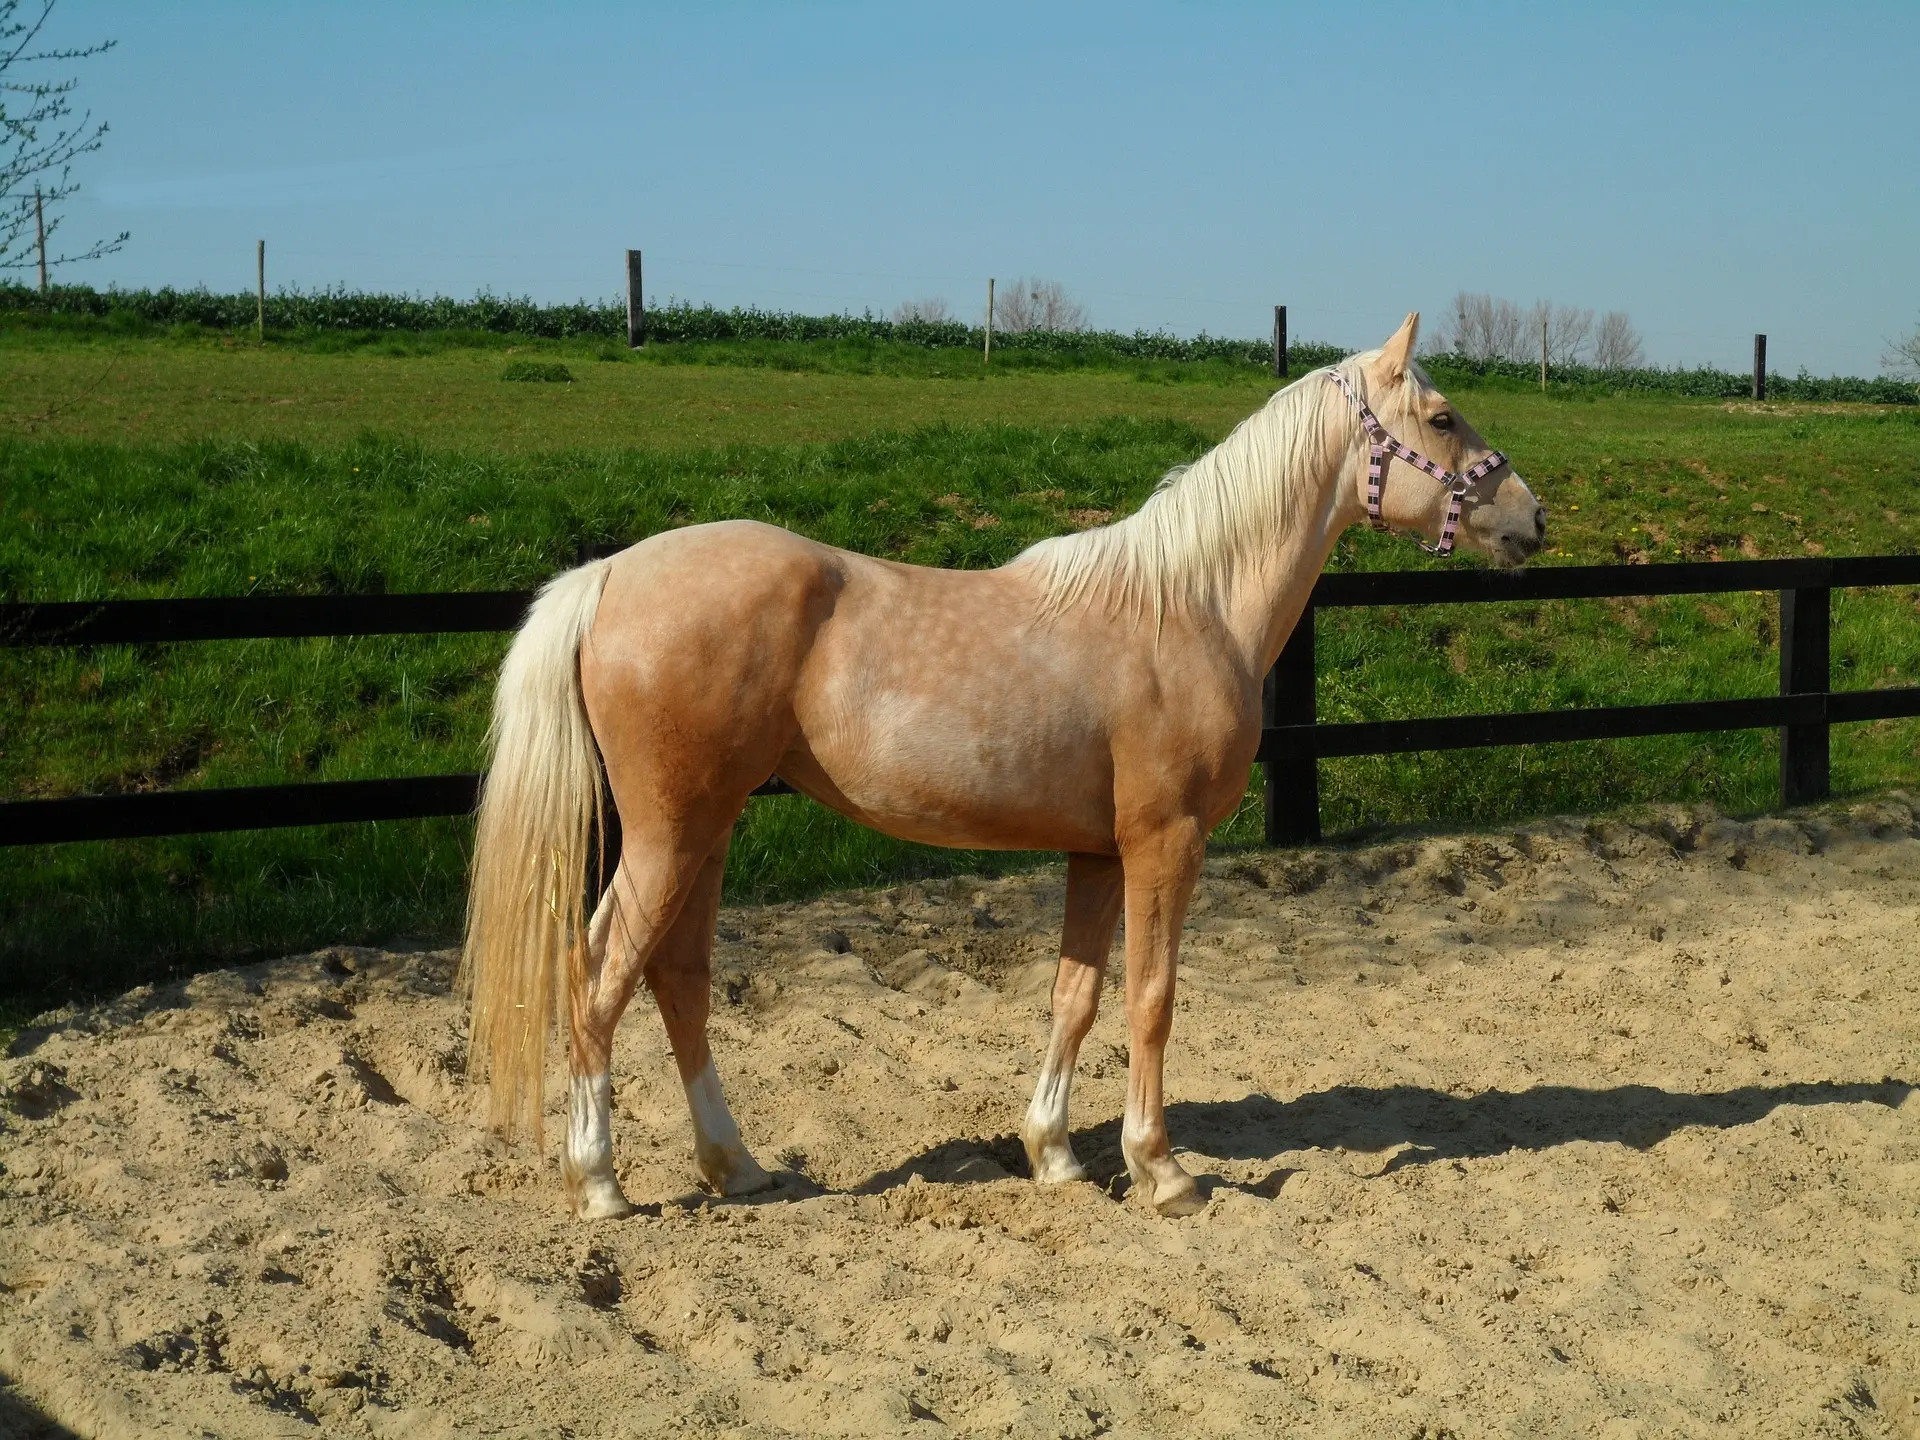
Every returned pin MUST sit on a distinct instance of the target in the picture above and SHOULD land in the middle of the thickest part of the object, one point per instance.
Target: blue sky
(1712, 169)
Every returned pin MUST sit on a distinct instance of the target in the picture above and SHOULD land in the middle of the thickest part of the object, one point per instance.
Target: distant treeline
(355, 310)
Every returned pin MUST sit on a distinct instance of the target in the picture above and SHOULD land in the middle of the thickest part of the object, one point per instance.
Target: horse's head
(1498, 516)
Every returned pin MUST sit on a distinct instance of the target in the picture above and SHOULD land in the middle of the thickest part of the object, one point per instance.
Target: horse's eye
(1442, 421)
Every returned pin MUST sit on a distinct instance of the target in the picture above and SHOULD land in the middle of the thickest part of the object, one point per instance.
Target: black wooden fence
(1291, 743)
(1290, 747)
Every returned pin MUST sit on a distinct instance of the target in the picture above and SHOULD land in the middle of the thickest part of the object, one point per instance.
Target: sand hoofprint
(1590, 1129)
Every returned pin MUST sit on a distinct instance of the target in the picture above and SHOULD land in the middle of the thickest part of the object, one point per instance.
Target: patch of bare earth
(1590, 1129)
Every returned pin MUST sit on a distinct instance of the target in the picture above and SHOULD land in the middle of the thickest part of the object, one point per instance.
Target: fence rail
(260, 617)
(1291, 745)
(1292, 741)
(242, 807)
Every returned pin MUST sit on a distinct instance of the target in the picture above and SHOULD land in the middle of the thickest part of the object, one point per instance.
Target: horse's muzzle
(1516, 550)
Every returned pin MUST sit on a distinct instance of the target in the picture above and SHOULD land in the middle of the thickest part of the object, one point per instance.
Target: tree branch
(39, 144)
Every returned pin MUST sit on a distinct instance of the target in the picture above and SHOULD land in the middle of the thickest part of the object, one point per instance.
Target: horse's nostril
(1540, 521)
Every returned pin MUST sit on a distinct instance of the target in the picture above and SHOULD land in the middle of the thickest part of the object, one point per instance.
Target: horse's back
(930, 703)
(733, 580)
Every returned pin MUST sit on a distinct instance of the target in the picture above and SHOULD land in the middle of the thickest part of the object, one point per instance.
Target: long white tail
(539, 815)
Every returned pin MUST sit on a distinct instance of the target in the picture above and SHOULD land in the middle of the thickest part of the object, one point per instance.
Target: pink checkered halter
(1381, 444)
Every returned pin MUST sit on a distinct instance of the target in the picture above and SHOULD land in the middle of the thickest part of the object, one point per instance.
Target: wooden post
(40, 237)
(636, 304)
(260, 319)
(1287, 698)
(1279, 342)
(1543, 351)
(986, 353)
(1759, 367)
(1804, 670)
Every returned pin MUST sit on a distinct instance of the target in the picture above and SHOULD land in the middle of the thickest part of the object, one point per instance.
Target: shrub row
(1702, 383)
(356, 310)
(342, 309)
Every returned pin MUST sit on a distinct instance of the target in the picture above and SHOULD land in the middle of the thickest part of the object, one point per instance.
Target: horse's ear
(1397, 353)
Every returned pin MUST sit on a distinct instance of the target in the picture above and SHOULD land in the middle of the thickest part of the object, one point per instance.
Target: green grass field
(446, 391)
(202, 465)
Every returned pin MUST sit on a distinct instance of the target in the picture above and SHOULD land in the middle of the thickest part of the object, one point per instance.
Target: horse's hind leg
(680, 974)
(1094, 891)
(656, 920)
(586, 1164)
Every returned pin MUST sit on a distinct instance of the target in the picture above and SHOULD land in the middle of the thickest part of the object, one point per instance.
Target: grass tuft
(544, 371)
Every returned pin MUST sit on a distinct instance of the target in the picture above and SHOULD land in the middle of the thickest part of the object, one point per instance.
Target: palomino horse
(1099, 694)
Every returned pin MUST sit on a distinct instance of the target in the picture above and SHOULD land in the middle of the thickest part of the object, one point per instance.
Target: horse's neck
(1271, 595)
(1270, 588)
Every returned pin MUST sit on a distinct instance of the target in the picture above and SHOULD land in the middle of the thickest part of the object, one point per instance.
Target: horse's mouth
(1515, 552)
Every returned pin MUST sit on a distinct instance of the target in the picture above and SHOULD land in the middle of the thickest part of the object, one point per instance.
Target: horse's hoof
(1056, 1167)
(749, 1179)
(1179, 1199)
(1172, 1191)
(734, 1174)
(1063, 1173)
(603, 1202)
(1161, 1181)
(1051, 1161)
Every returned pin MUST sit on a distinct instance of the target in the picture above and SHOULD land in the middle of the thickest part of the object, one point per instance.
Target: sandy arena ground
(1593, 1129)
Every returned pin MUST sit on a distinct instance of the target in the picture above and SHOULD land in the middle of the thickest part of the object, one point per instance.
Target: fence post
(986, 349)
(636, 303)
(1804, 670)
(1279, 342)
(1759, 367)
(261, 317)
(1287, 698)
(40, 237)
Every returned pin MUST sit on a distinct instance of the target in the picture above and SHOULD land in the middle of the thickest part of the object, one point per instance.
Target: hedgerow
(1700, 383)
(340, 309)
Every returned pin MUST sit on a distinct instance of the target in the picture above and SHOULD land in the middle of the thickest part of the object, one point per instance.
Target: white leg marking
(1049, 1149)
(724, 1164)
(587, 1167)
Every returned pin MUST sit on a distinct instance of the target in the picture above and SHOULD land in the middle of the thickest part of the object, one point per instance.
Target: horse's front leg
(1093, 910)
(1161, 868)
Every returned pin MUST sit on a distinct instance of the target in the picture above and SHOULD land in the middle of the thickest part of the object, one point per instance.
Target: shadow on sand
(20, 1420)
(1421, 1125)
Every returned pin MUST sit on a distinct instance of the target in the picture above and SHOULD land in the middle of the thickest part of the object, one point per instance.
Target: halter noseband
(1381, 444)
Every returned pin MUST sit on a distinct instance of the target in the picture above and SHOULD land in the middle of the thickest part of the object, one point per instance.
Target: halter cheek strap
(1381, 444)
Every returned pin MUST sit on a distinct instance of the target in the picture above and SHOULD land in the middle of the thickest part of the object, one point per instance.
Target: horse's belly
(943, 780)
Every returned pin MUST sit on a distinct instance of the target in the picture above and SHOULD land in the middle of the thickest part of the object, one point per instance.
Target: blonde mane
(1183, 548)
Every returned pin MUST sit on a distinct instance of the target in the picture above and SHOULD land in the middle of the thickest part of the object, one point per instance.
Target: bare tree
(39, 141)
(931, 311)
(1481, 327)
(1441, 335)
(1903, 357)
(1617, 346)
(1032, 304)
(1568, 328)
